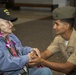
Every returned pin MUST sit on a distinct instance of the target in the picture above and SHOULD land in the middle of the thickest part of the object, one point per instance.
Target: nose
(54, 27)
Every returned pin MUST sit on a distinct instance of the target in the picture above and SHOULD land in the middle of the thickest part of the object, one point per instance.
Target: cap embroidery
(6, 11)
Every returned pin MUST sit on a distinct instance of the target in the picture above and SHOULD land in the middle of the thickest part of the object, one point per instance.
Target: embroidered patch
(6, 11)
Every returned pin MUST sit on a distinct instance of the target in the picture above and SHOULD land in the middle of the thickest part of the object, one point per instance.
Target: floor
(29, 15)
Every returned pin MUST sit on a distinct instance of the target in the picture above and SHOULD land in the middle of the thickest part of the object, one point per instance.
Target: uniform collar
(73, 34)
(72, 38)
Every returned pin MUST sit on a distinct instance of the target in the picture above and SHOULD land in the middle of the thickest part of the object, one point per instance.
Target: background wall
(60, 2)
(73, 3)
(35, 1)
(54, 2)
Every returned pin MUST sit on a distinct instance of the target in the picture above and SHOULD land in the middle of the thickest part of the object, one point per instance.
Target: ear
(67, 25)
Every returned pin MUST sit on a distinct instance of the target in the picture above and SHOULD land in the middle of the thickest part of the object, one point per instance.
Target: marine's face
(6, 26)
(60, 27)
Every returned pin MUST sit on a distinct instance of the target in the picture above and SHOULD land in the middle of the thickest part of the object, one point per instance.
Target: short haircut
(68, 20)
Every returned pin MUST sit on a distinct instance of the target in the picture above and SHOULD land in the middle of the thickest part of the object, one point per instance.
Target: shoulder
(73, 36)
(13, 37)
(58, 38)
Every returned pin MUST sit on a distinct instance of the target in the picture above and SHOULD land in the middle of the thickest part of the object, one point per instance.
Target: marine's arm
(61, 67)
(46, 54)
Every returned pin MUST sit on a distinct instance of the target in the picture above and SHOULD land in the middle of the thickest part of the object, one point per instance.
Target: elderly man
(13, 56)
(65, 42)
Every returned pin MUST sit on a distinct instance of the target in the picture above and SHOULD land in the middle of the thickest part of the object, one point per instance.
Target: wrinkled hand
(32, 56)
(36, 52)
(35, 57)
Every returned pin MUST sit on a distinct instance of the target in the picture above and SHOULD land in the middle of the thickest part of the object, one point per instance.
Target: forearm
(46, 54)
(43, 55)
(13, 63)
(61, 67)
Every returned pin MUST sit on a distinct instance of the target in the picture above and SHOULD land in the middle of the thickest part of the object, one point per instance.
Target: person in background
(13, 56)
(65, 42)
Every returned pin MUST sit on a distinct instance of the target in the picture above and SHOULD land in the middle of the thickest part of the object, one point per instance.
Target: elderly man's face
(60, 27)
(5, 26)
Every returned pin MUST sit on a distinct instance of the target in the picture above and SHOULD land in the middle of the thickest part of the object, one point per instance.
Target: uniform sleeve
(12, 63)
(72, 58)
(53, 47)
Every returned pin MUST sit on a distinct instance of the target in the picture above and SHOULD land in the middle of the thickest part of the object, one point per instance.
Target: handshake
(35, 58)
(34, 53)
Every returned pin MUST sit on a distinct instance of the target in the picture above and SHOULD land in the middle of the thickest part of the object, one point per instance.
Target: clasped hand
(35, 58)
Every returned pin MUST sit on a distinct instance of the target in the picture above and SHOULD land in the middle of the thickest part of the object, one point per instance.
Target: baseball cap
(64, 12)
(4, 14)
